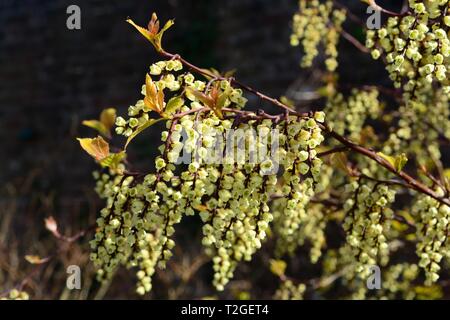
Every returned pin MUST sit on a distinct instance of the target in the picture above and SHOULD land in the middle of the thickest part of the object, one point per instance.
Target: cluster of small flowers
(15, 294)
(397, 280)
(349, 116)
(416, 47)
(367, 219)
(301, 176)
(232, 196)
(136, 226)
(340, 264)
(235, 213)
(317, 23)
(316, 221)
(432, 234)
(313, 229)
(129, 229)
(416, 132)
(237, 222)
(290, 291)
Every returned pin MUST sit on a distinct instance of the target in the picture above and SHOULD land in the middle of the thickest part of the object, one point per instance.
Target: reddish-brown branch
(411, 182)
(207, 73)
(361, 47)
(348, 13)
(405, 10)
(332, 151)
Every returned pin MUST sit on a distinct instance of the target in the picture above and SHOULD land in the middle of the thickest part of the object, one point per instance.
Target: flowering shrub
(250, 176)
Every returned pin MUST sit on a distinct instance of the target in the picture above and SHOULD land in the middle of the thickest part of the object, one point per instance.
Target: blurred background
(52, 78)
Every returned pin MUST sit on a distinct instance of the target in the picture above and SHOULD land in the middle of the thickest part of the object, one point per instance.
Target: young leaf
(221, 100)
(35, 259)
(285, 100)
(108, 117)
(154, 99)
(158, 37)
(398, 162)
(153, 24)
(277, 267)
(113, 160)
(142, 128)
(389, 159)
(98, 148)
(97, 125)
(206, 100)
(173, 105)
(152, 33)
(145, 32)
(213, 101)
(107, 120)
(52, 226)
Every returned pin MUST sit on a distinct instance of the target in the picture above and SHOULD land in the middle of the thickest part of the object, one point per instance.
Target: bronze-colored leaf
(108, 118)
(33, 259)
(154, 99)
(202, 97)
(153, 25)
(153, 33)
(98, 148)
(52, 226)
(107, 121)
(97, 125)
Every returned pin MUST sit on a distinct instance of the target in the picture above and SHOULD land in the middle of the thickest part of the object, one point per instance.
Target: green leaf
(432, 292)
(145, 32)
(447, 173)
(389, 159)
(285, 100)
(398, 162)
(221, 100)
(173, 105)
(97, 125)
(158, 37)
(142, 128)
(277, 267)
(113, 160)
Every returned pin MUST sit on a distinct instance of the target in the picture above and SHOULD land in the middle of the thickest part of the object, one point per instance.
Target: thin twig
(354, 41)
